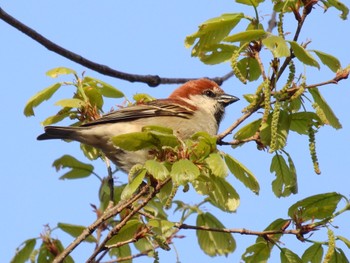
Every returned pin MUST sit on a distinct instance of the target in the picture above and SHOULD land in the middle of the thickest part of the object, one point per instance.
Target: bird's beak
(227, 99)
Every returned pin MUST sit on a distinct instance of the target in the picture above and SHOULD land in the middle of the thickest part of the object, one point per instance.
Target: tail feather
(58, 132)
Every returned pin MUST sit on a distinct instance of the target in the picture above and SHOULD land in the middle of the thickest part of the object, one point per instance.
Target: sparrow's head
(204, 95)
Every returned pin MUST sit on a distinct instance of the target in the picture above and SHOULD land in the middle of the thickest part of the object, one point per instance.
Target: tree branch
(90, 229)
(116, 229)
(241, 231)
(150, 80)
(236, 124)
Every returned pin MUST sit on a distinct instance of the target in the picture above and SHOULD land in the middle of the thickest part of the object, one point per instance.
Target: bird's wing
(151, 109)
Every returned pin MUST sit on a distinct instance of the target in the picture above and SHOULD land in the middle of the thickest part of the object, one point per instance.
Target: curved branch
(150, 80)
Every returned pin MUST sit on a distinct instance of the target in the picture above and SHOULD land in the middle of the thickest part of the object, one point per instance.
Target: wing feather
(151, 109)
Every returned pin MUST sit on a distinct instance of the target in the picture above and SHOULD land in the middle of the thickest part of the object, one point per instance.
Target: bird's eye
(209, 93)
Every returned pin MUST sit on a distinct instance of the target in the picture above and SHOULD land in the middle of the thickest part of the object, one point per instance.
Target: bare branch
(241, 231)
(90, 229)
(151, 80)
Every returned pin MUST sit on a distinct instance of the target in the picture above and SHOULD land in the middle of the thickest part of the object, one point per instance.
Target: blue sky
(146, 37)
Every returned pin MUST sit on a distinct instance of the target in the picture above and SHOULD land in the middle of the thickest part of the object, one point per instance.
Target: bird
(197, 105)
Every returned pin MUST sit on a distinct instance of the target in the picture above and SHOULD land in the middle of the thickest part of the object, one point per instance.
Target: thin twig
(241, 231)
(151, 80)
(122, 223)
(90, 229)
(236, 123)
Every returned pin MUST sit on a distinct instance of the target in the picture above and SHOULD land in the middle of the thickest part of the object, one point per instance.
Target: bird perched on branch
(197, 105)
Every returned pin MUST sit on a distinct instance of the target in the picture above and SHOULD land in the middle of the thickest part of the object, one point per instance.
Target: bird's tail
(58, 132)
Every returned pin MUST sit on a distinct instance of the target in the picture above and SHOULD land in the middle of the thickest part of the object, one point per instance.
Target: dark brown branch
(151, 80)
(90, 229)
(116, 229)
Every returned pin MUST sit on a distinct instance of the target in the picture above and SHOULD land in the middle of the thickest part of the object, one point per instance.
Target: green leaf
(157, 169)
(75, 231)
(105, 89)
(285, 182)
(184, 171)
(217, 165)
(71, 103)
(212, 32)
(223, 195)
(155, 207)
(220, 193)
(288, 256)
(250, 2)
(248, 130)
(279, 223)
(143, 97)
(133, 141)
(338, 257)
(213, 243)
(250, 97)
(303, 55)
(338, 5)
(246, 36)
(261, 250)
(217, 53)
(345, 240)
(121, 252)
(134, 185)
(143, 245)
(301, 122)
(258, 252)
(150, 136)
(23, 254)
(157, 129)
(313, 254)
(94, 96)
(324, 112)
(38, 98)
(318, 206)
(201, 145)
(162, 139)
(242, 173)
(55, 72)
(161, 227)
(90, 152)
(249, 68)
(63, 113)
(78, 169)
(126, 232)
(45, 255)
(330, 61)
(277, 45)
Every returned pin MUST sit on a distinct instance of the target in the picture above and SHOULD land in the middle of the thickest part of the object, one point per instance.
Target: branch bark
(150, 80)
(90, 229)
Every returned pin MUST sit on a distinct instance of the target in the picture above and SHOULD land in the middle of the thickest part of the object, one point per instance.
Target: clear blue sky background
(145, 37)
